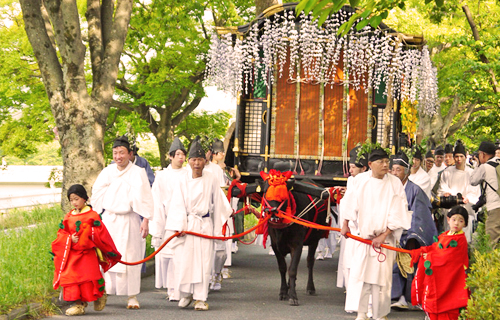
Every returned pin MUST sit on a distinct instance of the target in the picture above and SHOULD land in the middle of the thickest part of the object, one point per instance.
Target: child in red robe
(439, 284)
(82, 246)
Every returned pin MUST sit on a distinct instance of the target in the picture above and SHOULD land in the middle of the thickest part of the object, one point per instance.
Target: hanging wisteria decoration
(428, 86)
(369, 58)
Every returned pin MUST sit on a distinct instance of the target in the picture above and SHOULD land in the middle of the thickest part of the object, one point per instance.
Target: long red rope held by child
(279, 214)
(195, 234)
(318, 226)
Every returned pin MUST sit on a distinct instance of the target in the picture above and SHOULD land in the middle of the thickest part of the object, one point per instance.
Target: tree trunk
(53, 29)
(82, 147)
(164, 138)
(261, 5)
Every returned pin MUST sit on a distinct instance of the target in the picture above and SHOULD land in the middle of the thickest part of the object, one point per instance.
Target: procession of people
(400, 201)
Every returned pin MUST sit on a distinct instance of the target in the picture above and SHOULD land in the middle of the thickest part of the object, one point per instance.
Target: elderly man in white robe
(357, 165)
(457, 179)
(197, 205)
(167, 180)
(379, 206)
(123, 194)
(418, 175)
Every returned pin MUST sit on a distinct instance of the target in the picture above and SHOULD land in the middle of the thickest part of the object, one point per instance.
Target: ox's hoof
(283, 296)
(311, 292)
(293, 302)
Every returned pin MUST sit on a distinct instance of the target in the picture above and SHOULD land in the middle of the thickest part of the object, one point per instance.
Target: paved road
(251, 293)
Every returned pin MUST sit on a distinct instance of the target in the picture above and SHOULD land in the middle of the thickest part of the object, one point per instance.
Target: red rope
(248, 243)
(194, 234)
(263, 221)
(318, 226)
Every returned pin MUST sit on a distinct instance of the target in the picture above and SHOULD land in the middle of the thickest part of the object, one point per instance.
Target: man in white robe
(457, 179)
(197, 205)
(166, 182)
(356, 167)
(379, 206)
(222, 249)
(122, 190)
(449, 158)
(429, 162)
(438, 166)
(418, 176)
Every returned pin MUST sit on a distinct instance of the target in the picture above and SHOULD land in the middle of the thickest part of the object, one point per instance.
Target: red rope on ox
(318, 226)
(194, 234)
(248, 243)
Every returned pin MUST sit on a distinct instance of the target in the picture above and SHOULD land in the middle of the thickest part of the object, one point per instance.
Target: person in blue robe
(143, 163)
(421, 233)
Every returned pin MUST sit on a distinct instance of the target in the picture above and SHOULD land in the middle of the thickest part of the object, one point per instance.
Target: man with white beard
(379, 206)
(197, 205)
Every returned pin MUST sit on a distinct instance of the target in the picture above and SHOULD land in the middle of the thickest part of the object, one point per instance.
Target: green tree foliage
(204, 124)
(162, 73)
(25, 117)
(464, 43)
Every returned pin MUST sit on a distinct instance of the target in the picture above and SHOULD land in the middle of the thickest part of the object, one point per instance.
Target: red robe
(77, 264)
(439, 283)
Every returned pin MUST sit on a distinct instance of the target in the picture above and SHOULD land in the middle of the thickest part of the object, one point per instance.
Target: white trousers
(124, 284)
(381, 302)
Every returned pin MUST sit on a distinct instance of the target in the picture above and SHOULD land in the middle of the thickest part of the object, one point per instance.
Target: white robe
(454, 181)
(218, 174)
(346, 245)
(423, 180)
(434, 172)
(125, 196)
(191, 202)
(377, 204)
(166, 182)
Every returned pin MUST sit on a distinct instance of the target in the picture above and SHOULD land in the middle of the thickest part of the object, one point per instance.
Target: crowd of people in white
(387, 200)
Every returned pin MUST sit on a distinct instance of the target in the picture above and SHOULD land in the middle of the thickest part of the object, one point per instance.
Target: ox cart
(303, 102)
(305, 97)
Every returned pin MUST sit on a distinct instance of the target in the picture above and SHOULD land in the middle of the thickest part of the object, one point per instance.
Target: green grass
(26, 267)
(20, 218)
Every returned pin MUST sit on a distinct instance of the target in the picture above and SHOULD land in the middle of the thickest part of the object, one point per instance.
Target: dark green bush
(483, 279)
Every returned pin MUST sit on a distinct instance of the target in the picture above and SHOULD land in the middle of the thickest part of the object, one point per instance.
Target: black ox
(289, 238)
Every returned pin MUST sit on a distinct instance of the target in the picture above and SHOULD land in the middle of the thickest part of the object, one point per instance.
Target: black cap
(487, 147)
(378, 154)
(461, 211)
(359, 161)
(401, 159)
(497, 144)
(79, 190)
(177, 145)
(134, 148)
(122, 142)
(439, 151)
(459, 148)
(217, 146)
(429, 154)
(418, 154)
(448, 148)
(196, 150)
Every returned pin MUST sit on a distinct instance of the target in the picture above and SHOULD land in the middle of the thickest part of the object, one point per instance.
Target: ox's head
(276, 190)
